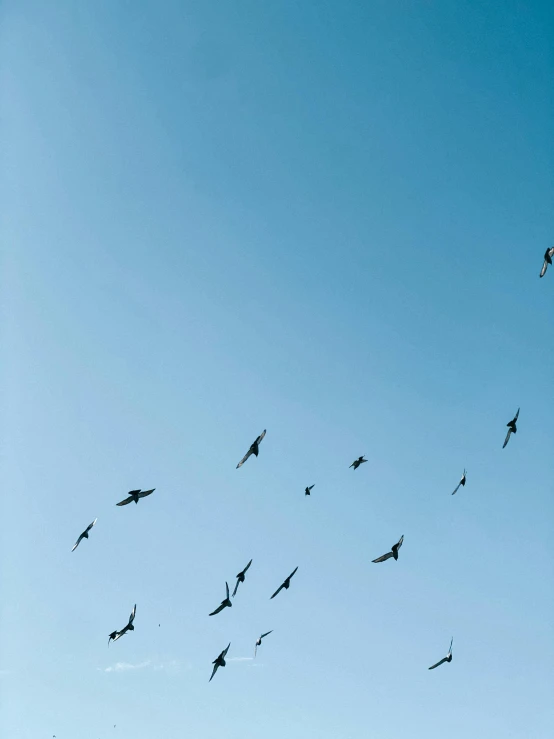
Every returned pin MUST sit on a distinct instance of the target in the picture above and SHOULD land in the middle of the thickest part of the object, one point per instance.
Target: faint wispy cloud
(125, 666)
(172, 665)
(240, 659)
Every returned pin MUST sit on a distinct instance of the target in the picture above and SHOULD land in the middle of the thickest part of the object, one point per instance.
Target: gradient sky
(326, 219)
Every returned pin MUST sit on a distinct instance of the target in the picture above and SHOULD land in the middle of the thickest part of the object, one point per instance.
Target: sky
(324, 219)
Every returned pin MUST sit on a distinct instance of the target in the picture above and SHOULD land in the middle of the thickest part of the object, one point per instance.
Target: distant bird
(392, 553)
(135, 495)
(259, 641)
(357, 462)
(219, 661)
(462, 483)
(448, 657)
(512, 428)
(548, 254)
(240, 578)
(285, 584)
(224, 603)
(308, 490)
(84, 535)
(115, 635)
(253, 449)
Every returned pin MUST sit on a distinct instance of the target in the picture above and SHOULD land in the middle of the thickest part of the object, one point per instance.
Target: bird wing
(353, 463)
(125, 502)
(214, 671)
(516, 415)
(77, 542)
(91, 524)
(256, 648)
(224, 653)
(277, 591)
(236, 588)
(399, 543)
(450, 647)
(227, 590)
(292, 573)
(388, 555)
(457, 488)
(120, 634)
(246, 568)
(260, 438)
(133, 614)
(145, 493)
(438, 663)
(217, 610)
(243, 460)
(266, 633)
(507, 438)
(544, 268)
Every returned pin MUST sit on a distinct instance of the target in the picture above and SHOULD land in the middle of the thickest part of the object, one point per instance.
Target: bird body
(240, 578)
(392, 553)
(135, 495)
(462, 483)
(254, 449)
(448, 657)
(308, 490)
(512, 428)
(357, 462)
(226, 603)
(548, 254)
(285, 584)
(259, 641)
(219, 661)
(84, 535)
(115, 635)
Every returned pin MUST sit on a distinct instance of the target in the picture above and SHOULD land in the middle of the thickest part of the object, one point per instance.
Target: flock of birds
(219, 661)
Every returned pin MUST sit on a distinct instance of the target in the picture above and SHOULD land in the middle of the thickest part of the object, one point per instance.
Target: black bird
(392, 553)
(462, 483)
(357, 462)
(285, 584)
(115, 635)
(253, 449)
(308, 490)
(224, 603)
(219, 661)
(512, 428)
(84, 535)
(548, 254)
(448, 657)
(240, 578)
(135, 495)
(259, 641)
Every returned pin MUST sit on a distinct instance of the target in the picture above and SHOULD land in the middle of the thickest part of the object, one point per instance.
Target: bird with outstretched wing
(254, 447)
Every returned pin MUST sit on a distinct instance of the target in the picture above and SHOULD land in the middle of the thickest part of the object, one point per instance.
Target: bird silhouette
(462, 483)
(219, 661)
(259, 641)
(307, 491)
(240, 578)
(253, 449)
(512, 428)
(224, 603)
(392, 553)
(448, 657)
(84, 535)
(357, 462)
(134, 495)
(548, 254)
(115, 635)
(285, 584)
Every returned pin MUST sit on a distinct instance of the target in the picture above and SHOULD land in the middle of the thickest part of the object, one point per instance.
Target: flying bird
(462, 483)
(308, 490)
(259, 641)
(512, 429)
(84, 535)
(253, 449)
(393, 552)
(240, 578)
(219, 661)
(134, 495)
(115, 635)
(224, 603)
(448, 657)
(285, 584)
(548, 254)
(357, 462)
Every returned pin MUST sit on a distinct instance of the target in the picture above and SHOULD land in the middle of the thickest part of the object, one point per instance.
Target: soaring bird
(259, 641)
(115, 635)
(84, 535)
(357, 462)
(253, 449)
(224, 603)
(308, 490)
(285, 584)
(512, 429)
(462, 483)
(392, 553)
(548, 254)
(240, 578)
(219, 661)
(448, 657)
(135, 495)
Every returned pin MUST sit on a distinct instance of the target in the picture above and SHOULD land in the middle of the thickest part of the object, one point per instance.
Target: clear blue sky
(326, 219)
